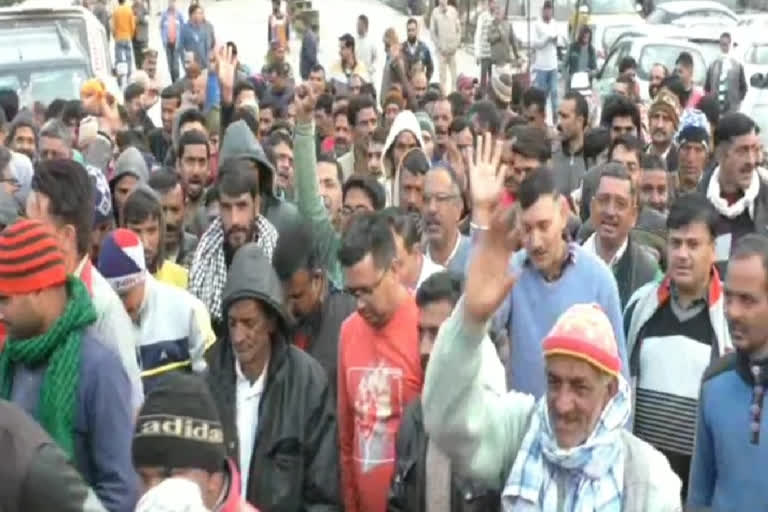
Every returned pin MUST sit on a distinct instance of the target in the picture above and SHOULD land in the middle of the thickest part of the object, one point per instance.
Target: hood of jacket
(239, 142)
(406, 121)
(251, 276)
(130, 162)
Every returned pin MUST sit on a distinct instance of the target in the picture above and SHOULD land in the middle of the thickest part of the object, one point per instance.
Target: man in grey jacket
(725, 78)
(570, 448)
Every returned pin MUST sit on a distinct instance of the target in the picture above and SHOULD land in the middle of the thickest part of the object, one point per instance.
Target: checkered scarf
(208, 272)
(593, 472)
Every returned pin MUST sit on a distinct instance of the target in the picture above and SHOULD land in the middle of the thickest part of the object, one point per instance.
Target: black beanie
(179, 427)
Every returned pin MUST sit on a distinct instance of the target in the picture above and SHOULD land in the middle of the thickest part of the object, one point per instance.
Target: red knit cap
(30, 259)
(584, 332)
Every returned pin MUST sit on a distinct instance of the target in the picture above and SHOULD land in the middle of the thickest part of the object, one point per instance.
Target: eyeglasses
(365, 292)
(441, 199)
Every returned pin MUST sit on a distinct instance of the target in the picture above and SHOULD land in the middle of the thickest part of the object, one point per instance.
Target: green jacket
(309, 203)
(482, 434)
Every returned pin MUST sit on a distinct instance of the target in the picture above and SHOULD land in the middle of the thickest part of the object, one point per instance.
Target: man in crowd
(545, 62)
(159, 454)
(424, 479)
(318, 307)
(725, 78)
(362, 117)
(655, 183)
(663, 118)
(675, 328)
(192, 168)
(238, 223)
(62, 198)
(22, 136)
(693, 142)
(164, 346)
(275, 404)
(160, 139)
(730, 431)
(379, 367)
(734, 187)
(179, 243)
(130, 171)
(57, 370)
(365, 49)
(123, 30)
(196, 36)
(568, 161)
(55, 141)
(416, 53)
(614, 213)
(445, 29)
(443, 203)
(684, 70)
(171, 23)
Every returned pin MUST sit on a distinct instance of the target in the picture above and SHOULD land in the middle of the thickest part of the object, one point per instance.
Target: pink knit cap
(585, 332)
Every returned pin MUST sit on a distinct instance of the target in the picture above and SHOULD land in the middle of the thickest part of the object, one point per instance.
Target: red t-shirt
(379, 373)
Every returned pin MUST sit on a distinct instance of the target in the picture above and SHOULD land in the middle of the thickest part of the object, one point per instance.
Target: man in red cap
(55, 369)
(569, 450)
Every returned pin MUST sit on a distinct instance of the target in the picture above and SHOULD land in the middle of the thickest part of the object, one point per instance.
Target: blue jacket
(308, 58)
(197, 39)
(103, 422)
(164, 28)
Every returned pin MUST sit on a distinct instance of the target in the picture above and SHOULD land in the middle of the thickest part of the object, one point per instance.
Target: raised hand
(486, 177)
(304, 99)
(226, 68)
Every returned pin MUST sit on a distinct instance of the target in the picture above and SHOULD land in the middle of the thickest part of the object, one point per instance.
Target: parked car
(647, 51)
(699, 11)
(606, 18)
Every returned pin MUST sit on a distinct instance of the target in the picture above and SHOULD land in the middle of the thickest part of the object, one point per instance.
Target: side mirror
(757, 80)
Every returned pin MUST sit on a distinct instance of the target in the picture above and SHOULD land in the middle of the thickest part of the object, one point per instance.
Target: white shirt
(366, 53)
(591, 246)
(248, 400)
(428, 256)
(428, 267)
(545, 57)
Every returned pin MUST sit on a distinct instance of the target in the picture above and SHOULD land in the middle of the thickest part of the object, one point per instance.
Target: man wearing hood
(240, 144)
(22, 136)
(276, 407)
(130, 170)
(239, 222)
(404, 135)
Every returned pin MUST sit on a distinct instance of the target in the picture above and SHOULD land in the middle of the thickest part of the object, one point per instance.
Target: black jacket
(294, 466)
(636, 267)
(322, 331)
(35, 474)
(421, 55)
(408, 490)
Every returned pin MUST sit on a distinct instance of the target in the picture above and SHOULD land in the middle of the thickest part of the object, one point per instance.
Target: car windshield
(659, 16)
(667, 54)
(758, 54)
(45, 85)
(734, 5)
(611, 6)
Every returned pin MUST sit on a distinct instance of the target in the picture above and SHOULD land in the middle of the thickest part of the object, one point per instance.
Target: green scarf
(59, 347)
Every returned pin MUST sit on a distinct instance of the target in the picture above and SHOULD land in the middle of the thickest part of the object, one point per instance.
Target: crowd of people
(312, 293)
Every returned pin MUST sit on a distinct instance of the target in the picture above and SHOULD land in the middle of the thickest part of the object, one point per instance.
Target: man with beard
(413, 170)
(160, 138)
(362, 116)
(734, 187)
(416, 52)
(420, 463)
(731, 427)
(192, 168)
(22, 136)
(443, 205)
(143, 214)
(267, 117)
(663, 120)
(318, 307)
(693, 156)
(179, 244)
(657, 75)
(655, 183)
(374, 152)
(138, 120)
(568, 160)
(342, 135)
(442, 117)
(239, 222)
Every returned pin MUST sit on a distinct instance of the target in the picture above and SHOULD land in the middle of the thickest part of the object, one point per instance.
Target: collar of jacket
(664, 293)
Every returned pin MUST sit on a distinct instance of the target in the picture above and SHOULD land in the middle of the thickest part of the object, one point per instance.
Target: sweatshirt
(379, 373)
(123, 23)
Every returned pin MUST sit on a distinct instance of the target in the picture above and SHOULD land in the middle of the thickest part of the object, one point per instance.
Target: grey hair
(619, 171)
(56, 129)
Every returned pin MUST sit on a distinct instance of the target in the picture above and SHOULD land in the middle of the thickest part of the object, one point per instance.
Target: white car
(698, 11)
(647, 51)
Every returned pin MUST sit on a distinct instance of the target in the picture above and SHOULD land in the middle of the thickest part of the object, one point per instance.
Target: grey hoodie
(251, 276)
(9, 209)
(130, 162)
(239, 142)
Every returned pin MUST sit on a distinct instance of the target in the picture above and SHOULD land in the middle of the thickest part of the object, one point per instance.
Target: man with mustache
(442, 209)
(663, 119)
(442, 117)
(412, 172)
(734, 186)
(179, 244)
(363, 119)
(675, 328)
(693, 141)
(730, 434)
(193, 170)
(551, 271)
(239, 222)
(529, 151)
(342, 135)
(420, 463)
(318, 307)
(568, 160)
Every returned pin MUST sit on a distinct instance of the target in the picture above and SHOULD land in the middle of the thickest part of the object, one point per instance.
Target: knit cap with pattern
(30, 259)
(121, 260)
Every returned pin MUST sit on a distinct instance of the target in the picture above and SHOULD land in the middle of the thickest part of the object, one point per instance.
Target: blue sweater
(727, 471)
(103, 422)
(534, 305)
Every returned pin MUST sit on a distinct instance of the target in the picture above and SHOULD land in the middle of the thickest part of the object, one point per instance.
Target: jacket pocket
(286, 475)
(398, 492)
